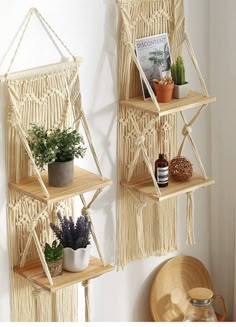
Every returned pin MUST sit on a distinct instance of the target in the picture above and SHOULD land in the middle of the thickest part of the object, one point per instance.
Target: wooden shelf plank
(33, 271)
(194, 99)
(144, 185)
(84, 181)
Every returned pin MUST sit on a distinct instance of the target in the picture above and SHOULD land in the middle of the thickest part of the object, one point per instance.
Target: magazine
(153, 54)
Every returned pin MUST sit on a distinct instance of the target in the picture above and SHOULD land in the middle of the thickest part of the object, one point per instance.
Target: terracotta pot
(76, 260)
(55, 267)
(60, 173)
(163, 92)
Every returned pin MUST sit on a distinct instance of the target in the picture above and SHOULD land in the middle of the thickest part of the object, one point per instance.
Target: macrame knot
(86, 211)
(186, 130)
(32, 225)
(166, 126)
(85, 283)
(36, 293)
(140, 205)
(140, 140)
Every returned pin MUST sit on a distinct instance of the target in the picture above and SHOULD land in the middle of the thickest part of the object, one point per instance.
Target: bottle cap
(161, 156)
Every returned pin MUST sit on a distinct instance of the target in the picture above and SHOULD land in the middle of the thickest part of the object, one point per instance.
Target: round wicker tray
(169, 293)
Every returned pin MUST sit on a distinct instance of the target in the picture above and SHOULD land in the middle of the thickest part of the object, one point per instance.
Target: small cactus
(178, 71)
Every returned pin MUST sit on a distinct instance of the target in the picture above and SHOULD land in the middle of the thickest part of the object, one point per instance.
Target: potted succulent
(163, 88)
(57, 148)
(181, 88)
(75, 239)
(53, 256)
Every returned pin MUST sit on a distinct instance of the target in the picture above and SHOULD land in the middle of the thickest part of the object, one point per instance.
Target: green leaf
(54, 244)
(50, 145)
(53, 253)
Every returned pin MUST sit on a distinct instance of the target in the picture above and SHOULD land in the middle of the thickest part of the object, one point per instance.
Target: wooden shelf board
(144, 185)
(84, 181)
(33, 271)
(194, 99)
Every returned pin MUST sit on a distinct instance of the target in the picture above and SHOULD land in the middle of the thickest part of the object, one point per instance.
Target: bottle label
(162, 175)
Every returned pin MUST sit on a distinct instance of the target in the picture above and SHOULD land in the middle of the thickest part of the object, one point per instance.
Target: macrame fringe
(154, 234)
(190, 237)
(65, 304)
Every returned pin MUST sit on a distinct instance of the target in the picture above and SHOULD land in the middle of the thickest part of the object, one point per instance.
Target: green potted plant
(57, 148)
(53, 256)
(75, 239)
(163, 88)
(181, 88)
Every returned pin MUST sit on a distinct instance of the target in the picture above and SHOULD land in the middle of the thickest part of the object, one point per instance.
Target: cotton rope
(190, 219)
(14, 39)
(140, 147)
(132, 51)
(187, 130)
(46, 27)
(85, 284)
(87, 212)
(139, 217)
(20, 40)
(195, 63)
(32, 225)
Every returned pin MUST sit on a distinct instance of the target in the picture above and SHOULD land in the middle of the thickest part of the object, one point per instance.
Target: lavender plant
(72, 234)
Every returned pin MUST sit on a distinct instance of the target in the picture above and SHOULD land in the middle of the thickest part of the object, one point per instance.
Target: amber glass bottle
(162, 171)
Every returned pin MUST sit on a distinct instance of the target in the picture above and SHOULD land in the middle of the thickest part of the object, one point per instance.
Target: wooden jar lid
(200, 294)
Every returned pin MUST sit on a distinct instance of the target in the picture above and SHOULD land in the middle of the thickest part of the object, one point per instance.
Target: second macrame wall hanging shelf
(147, 215)
(49, 96)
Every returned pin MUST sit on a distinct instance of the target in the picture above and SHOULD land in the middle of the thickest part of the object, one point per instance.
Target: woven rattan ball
(180, 169)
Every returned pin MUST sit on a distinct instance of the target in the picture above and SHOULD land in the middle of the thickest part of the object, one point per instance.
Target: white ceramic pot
(76, 260)
(181, 91)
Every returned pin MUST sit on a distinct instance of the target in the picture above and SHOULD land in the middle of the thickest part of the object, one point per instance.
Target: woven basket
(180, 169)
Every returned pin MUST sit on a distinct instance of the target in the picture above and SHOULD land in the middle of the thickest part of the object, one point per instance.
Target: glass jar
(200, 308)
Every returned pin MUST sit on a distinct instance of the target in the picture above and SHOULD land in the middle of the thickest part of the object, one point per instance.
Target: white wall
(89, 28)
(223, 82)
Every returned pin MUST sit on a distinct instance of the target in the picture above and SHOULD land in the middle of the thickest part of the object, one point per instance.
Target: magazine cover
(154, 56)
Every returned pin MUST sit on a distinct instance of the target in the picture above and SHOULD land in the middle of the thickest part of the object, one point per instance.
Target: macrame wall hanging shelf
(49, 96)
(146, 219)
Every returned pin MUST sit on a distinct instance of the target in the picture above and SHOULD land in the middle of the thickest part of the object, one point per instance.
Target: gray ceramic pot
(60, 173)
